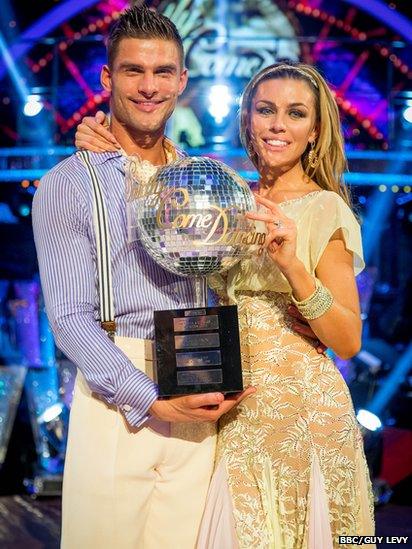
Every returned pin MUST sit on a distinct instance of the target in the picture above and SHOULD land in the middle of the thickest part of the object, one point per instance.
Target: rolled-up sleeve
(67, 271)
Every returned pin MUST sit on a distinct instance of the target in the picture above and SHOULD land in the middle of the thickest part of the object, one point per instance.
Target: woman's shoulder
(329, 197)
(330, 201)
(316, 197)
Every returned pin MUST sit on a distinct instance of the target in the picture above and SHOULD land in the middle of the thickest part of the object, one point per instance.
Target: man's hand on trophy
(207, 407)
(301, 326)
(93, 134)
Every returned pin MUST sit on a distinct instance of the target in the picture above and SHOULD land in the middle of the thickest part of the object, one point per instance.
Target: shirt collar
(100, 158)
(173, 153)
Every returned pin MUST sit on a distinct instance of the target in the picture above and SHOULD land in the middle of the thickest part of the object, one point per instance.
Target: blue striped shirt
(66, 249)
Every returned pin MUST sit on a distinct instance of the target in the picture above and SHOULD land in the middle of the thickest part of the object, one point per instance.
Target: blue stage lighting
(14, 73)
(407, 114)
(368, 420)
(220, 100)
(388, 389)
(33, 105)
(379, 208)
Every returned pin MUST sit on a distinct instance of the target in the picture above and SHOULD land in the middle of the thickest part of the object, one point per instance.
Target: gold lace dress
(291, 454)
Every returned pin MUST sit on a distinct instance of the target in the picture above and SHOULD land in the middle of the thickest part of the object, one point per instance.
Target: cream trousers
(124, 487)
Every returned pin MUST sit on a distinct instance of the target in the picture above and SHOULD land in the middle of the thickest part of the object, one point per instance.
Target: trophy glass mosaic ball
(190, 216)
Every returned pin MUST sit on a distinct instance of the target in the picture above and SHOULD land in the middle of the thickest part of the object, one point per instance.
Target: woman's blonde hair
(327, 170)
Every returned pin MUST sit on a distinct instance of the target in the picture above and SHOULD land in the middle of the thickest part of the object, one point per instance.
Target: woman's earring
(312, 156)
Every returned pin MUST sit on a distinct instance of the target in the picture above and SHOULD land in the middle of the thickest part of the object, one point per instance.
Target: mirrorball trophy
(190, 219)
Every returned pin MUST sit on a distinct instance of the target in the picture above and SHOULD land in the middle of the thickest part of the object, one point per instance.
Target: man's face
(144, 82)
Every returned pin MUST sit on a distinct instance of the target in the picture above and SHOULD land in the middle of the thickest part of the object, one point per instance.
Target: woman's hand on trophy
(203, 408)
(280, 240)
(93, 134)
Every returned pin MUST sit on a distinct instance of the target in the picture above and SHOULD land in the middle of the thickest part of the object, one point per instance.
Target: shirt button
(126, 408)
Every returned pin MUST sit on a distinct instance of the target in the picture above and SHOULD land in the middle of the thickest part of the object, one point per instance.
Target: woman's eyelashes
(264, 110)
(297, 113)
(293, 113)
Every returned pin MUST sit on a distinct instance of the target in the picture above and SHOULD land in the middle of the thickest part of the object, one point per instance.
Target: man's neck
(147, 146)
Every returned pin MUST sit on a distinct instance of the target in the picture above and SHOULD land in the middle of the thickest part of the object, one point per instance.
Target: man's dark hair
(144, 23)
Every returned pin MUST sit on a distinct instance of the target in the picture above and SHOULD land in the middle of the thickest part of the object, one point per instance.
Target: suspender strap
(101, 228)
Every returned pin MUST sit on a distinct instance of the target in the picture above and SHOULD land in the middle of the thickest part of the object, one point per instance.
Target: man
(137, 468)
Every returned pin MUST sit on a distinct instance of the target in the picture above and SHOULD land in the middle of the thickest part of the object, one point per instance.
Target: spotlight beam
(44, 25)
(381, 204)
(74, 71)
(354, 71)
(398, 22)
(392, 382)
(17, 79)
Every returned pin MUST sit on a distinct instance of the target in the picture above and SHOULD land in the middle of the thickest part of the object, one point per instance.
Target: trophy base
(197, 351)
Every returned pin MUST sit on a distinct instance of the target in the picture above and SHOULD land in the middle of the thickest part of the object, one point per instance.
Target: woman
(292, 453)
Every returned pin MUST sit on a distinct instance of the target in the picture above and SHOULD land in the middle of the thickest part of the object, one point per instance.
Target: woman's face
(282, 122)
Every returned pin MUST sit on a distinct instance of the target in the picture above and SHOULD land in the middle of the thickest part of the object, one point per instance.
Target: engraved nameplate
(194, 323)
(193, 360)
(197, 351)
(203, 377)
(197, 341)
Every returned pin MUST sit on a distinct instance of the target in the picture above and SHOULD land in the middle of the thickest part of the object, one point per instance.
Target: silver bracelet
(316, 304)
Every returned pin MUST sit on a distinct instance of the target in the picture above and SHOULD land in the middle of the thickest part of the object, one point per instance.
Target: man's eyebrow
(169, 67)
(129, 65)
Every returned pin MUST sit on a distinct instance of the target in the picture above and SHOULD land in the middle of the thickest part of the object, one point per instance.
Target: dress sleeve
(328, 215)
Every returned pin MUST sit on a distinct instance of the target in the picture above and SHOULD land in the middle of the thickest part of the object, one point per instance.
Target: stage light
(220, 100)
(24, 210)
(51, 438)
(51, 413)
(368, 420)
(407, 114)
(33, 105)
